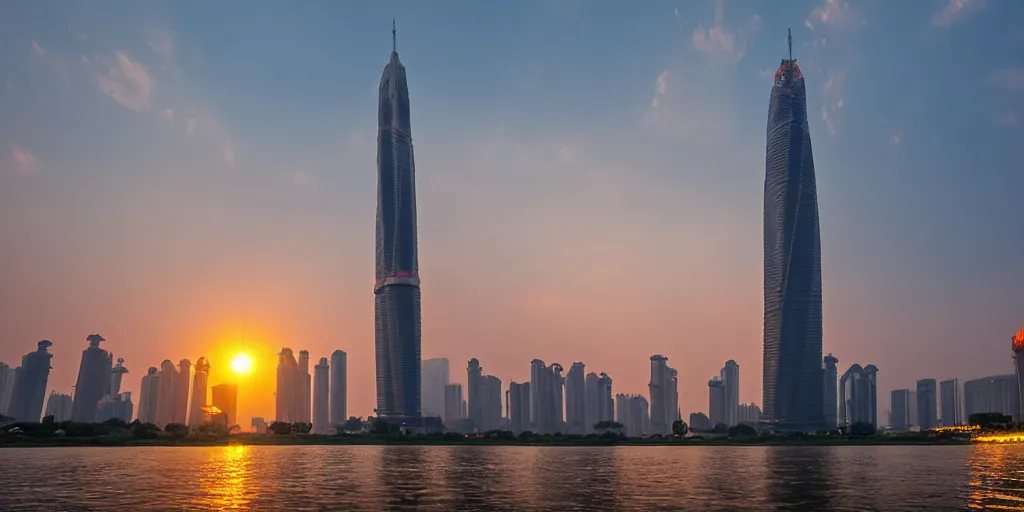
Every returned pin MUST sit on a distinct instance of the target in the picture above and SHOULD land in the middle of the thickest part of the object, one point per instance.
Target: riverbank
(371, 440)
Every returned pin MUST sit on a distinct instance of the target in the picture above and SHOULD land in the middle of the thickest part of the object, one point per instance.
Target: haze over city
(199, 180)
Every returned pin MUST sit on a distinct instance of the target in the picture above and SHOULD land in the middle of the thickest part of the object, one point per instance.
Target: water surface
(510, 478)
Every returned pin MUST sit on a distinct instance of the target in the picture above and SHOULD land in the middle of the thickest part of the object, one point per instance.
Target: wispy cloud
(833, 100)
(167, 114)
(834, 13)
(127, 82)
(955, 11)
(719, 42)
(1007, 119)
(676, 11)
(660, 89)
(896, 138)
(1008, 78)
(38, 49)
(23, 159)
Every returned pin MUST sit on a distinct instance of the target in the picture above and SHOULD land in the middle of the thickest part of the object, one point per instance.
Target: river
(511, 478)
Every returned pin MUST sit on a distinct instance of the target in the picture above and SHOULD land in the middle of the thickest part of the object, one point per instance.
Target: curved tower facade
(792, 261)
(1018, 346)
(397, 286)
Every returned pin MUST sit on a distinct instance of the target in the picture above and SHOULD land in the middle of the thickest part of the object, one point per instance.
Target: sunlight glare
(241, 364)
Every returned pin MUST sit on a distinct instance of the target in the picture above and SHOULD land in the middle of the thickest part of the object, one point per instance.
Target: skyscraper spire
(394, 38)
(789, 37)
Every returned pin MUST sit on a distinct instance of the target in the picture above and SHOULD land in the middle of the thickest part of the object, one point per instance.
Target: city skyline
(571, 187)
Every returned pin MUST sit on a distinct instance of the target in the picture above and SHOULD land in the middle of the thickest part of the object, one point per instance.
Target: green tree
(680, 428)
(720, 428)
(145, 430)
(303, 428)
(176, 431)
(862, 429)
(742, 430)
(280, 428)
(989, 419)
(380, 427)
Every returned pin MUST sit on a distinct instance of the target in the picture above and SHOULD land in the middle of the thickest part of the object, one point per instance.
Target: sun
(241, 364)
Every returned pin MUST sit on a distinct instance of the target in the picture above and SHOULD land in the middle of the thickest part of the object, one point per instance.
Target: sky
(199, 179)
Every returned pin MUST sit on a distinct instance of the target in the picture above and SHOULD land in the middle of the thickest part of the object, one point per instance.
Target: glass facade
(397, 286)
(792, 262)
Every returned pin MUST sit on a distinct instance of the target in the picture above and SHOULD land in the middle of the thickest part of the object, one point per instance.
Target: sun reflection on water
(225, 479)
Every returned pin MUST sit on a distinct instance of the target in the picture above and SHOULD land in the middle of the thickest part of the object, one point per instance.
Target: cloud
(167, 114)
(1008, 119)
(38, 49)
(835, 13)
(676, 11)
(23, 159)
(127, 82)
(1008, 78)
(719, 42)
(660, 88)
(896, 138)
(955, 11)
(832, 100)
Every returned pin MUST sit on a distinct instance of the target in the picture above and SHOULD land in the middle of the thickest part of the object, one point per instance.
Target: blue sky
(181, 176)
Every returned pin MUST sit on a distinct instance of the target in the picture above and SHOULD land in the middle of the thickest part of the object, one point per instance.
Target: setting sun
(241, 364)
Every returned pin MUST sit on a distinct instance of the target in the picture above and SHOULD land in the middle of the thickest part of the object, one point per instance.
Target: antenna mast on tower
(394, 38)
(789, 37)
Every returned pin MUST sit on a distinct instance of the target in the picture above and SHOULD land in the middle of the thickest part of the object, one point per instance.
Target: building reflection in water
(487, 477)
(584, 478)
(730, 477)
(800, 478)
(226, 481)
(405, 477)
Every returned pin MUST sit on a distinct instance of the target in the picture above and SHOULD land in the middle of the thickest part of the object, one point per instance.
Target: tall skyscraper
(339, 388)
(397, 286)
(30, 383)
(576, 407)
(490, 392)
(716, 401)
(149, 396)
(730, 375)
(749, 414)
(1017, 344)
(93, 380)
(288, 398)
(792, 261)
(183, 383)
(200, 386)
(605, 402)
(664, 393)
(858, 396)
(899, 409)
(114, 403)
(60, 406)
(830, 390)
(172, 393)
(997, 393)
(632, 412)
(6, 387)
(927, 411)
(225, 398)
(453, 406)
(952, 409)
(474, 396)
(432, 382)
(321, 402)
(546, 385)
(519, 406)
(305, 389)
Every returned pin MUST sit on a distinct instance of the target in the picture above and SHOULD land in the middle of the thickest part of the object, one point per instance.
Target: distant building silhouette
(114, 403)
(899, 410)
(997, 393)
(577, 414)
(633, 412)
(396, 306)
(93, 380)
(30, 384)
(183, 381)
(490, 392)
(519, 406)
(321, 400)
(149, 393)
(200, 388)
(730, 375)
(700, 421)
(225, 398)
(339, 388)
(952, 406)
(749, 414)
(434, 377)
(546, 383)
(792, 261)
(858, 396)
(716, 401)
(172, 395)
(6, 388)
(60, 406)
(1017, 345)
(830, 390)
(305, 388)
(288, 399)
(474, 396)
(664, 393)
(927, 410)
(599, 404)
(454, 406)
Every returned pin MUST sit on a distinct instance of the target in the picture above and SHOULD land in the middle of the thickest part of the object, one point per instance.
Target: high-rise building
(474, 396)
(172, 395)
(225, 398)
(434, 377)
(30, 383)
(730, 375)
(60, 406)
(288, 398)
(592, 403)
(93, 379)
(749, 414)
(149, 393)
(6, 387)
(830, 390)
(116, 404)
(716, 401)
(305, 388)
(632, 412)
(792, 261)
(453, 406)
(952, 410)
(664, 393)
(858, 396)
(339, 388)
(397, 285)
(1017, 344)
(997, 393)
(899, 410)
(519, 406)
(927, 411)
(183, 383)
(321, 394)
(577, 417)
(546, 385)
(200, 387)
(699, 422)
(490, 393)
